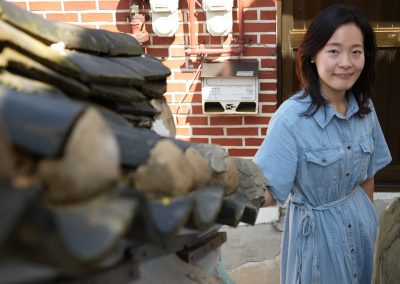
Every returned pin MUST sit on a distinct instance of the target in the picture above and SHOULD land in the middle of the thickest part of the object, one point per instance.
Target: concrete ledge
(251, 253)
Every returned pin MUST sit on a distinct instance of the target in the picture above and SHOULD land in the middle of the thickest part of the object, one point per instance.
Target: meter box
(230, 87)
(165, 20)
(219, 16)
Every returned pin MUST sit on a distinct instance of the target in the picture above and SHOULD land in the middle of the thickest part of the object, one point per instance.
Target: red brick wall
(240, 135)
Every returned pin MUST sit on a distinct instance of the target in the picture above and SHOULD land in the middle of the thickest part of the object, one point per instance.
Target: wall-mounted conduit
(196, 50)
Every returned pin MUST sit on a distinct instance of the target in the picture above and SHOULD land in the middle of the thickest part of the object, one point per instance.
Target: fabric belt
(306, 229)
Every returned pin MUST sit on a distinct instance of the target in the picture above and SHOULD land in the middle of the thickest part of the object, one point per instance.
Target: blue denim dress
(319, 161)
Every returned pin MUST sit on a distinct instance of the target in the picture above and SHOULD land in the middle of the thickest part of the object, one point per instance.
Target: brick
(208, 131)
(209, 39)
(79, 5)
(186, 76)
(114, 5)
(268, 109)
(184, 28)
(267, 97)
(192, 120)
(251, 120)
(267, 86)
(267, 75)
(242, 152)
(157, 52)
(197, 109)
(176, 87)
(179, 109)
(199, 16)
(250, 15)
(184, 5)
(168, 40)
(224, 120)
(97, 17)
(199, 27)
(111, 28)
(267, 15)
(199, 140)
(259, 27)
(249, 39)
(65, 17)
(253, 141)
(194, 64)
(263, 131)
(169, 98)
(45, 6)
(182, 131)
(259, 51)
(143, 4)
(258, 3)
(268, 39)
(177, 51)
(189, 98)
(172, 64)
(122, 16)
(229, 39)
(127, 28)
(251, 131)
(269, 63)
(227, 141)
(195, 87)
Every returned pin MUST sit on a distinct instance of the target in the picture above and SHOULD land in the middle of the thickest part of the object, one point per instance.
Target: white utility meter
(218, 16)
(164, 17)
(230, 87)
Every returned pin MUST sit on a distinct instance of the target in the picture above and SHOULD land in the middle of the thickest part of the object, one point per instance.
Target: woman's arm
(368, 186)
(268, 199)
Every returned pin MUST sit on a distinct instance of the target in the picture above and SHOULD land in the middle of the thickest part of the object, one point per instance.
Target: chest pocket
(322, 167)
(364, 156)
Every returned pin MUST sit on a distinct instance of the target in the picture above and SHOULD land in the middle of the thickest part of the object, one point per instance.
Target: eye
(333, 51)
(357, 51)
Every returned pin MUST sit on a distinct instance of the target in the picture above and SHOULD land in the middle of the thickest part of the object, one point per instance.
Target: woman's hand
(268, 199)
(368, 186)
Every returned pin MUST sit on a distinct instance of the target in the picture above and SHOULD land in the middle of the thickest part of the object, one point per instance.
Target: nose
(344, 61)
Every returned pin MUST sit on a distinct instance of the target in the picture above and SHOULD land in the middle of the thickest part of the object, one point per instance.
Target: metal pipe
(195, 50)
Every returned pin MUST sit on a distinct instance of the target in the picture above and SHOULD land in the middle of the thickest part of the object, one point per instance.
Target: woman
(323, 147)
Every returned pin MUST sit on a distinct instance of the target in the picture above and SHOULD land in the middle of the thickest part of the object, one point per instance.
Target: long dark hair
(320, 31)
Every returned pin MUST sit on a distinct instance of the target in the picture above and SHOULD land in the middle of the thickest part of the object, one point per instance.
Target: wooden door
(384, 16)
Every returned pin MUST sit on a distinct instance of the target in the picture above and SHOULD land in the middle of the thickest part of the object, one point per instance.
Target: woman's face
(340, 62)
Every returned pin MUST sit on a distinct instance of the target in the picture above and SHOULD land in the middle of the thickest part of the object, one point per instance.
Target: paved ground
(266, 272)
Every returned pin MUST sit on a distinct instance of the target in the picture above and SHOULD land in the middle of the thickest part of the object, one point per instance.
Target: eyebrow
(338, 44)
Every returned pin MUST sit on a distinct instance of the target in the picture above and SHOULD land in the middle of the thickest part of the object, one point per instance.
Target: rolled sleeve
(277, 157)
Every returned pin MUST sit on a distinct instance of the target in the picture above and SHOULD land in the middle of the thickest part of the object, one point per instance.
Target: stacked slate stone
(387, 247)
(83, 175)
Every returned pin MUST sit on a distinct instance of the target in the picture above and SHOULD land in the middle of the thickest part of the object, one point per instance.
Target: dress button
(352, 250)
(348, 147)
(349, 226)
(347, 174)
(354, 275)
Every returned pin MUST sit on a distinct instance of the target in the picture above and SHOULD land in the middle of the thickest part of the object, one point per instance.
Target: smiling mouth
(344, 76)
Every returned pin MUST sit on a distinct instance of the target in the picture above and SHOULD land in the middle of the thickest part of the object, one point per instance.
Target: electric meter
(164, 14)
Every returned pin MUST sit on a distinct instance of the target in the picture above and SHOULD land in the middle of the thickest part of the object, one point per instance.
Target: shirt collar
(324, 115)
